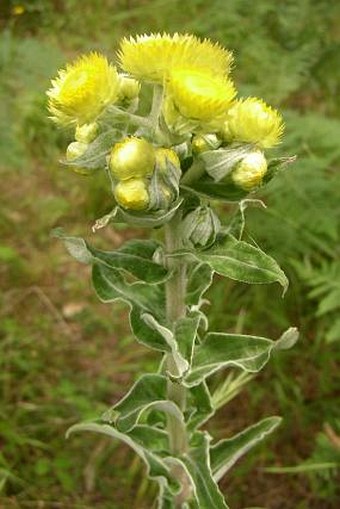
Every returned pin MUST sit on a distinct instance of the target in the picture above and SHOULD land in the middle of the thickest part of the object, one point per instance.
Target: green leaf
(222, 191)
(199, 405)
(97, 151)
(110, 285)
(304, 467)
(277, 164)
(220, 350)
(220, 163)
(151, 438)
(146, 333)
(197, 461)
(76, 246)
(236, 226)
(185, 334)
(146, 219)
(147, 394)
(165, 499)
(158, 470)
(225, 453)
(199, 280)
(181, 363)
(241, 261)
(135, 257)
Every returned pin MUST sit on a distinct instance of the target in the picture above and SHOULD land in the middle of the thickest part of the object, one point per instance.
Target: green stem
(175, 309)
(156, 106)
(194, 173)
(130, 117)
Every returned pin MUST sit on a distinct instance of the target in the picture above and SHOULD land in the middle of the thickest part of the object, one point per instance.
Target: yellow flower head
(82, 91)
(252, 120)
(151, 57)
(199, 95)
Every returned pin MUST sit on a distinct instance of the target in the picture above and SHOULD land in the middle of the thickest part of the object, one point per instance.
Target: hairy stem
(175, 309)
(156, 105)
(194, 173)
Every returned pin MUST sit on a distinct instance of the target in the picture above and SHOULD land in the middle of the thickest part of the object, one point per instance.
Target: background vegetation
(64, 357)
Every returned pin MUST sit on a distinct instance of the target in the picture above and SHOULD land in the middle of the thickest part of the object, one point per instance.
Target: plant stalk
(175, 309)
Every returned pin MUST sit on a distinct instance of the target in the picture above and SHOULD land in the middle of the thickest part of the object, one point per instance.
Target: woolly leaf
(226, 452)
(147, 394)
(199, 405)
(219, 350)
(147, 220)
(185, 333)
(220, 163)
(222, 191)
(241, 261)
(197, 461)
(199, 280)
(157, 469)
(95, 155)
(135, 257)
(110, 285)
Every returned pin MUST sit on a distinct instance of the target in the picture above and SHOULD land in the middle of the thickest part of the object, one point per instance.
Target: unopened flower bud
(129, 88)
(200, 227)
(132, 158)
(75, 150)
(249, 173)
(132, 194)
(165, 156)
(205, 142)
(86, 133)
(164, 185)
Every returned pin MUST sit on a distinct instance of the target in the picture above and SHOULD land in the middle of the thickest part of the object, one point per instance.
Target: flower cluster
(195, 112)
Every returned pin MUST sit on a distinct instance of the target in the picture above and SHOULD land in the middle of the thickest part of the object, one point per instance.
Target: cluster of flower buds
(144, 177)
(84, 134)
(196, 108)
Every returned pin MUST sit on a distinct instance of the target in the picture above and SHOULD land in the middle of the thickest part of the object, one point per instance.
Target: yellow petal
(200, 95)
(252, 120)
(83, 90)
(151, 57)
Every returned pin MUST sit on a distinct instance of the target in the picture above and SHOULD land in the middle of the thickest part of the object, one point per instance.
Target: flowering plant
(198, 145)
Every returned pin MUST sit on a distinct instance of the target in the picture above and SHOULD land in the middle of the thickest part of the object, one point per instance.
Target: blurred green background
(65, 357)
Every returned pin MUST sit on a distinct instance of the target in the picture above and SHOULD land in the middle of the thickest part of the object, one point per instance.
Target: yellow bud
(132, 194)
(205, 142)
(249, 173)
(75, 150)
(132, 158)
(129, 88)
(166, 154)
(87, 132)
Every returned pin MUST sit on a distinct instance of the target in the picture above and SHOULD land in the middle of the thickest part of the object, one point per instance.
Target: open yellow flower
(199, 95)
(151, 57)
(252, 120)
(83, 90)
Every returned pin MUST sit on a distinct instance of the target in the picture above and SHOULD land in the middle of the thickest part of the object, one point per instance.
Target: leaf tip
(288, 339)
